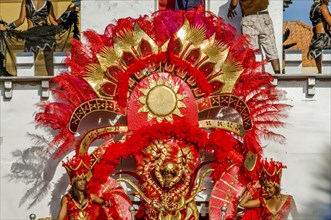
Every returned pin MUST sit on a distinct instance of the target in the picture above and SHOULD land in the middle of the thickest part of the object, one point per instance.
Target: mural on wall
(176, 85)
(41, 28)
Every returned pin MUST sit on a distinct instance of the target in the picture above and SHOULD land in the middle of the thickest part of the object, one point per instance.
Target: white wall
(16, 119)
(97, 14)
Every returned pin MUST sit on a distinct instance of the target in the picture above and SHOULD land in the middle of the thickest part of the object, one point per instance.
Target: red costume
(76, 211)
(282, 213)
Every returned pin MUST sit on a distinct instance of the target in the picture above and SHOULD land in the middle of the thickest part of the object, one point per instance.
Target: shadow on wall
(35, 168)
(321, 203)
(222, 12)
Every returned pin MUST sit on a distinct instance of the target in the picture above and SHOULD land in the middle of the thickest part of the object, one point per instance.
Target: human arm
(63, 211)
(62, 18)
(17, 22)
(326, 14)
(247, 201)
(52, 18)
(232, 9)
(99, 200)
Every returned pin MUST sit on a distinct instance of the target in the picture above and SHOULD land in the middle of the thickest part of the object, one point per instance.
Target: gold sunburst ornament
(161, 100)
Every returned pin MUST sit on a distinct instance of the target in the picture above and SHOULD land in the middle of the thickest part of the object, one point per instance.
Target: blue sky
(299, 10)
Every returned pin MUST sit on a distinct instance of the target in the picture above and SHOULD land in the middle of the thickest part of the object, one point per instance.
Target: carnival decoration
(226, 193)
(175, 86)
(121, 203)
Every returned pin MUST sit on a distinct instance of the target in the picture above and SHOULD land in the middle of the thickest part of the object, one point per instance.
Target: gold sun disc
(161, 100)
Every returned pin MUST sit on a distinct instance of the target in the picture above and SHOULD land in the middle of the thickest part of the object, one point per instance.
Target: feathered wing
(69, 93)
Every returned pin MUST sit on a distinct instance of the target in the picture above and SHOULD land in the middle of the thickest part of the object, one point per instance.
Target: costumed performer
(77, 203)
(273, 204)
(40, 34)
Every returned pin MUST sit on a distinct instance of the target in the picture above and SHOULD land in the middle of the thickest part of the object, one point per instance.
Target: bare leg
(318, 61)
(275, 65)
(48, 56)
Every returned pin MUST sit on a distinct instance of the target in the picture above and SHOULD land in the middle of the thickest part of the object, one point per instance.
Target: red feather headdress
(78, 167)
(272, 172)
(201, 50)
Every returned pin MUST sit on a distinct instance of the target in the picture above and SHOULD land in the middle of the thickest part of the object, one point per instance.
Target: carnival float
(186, 100)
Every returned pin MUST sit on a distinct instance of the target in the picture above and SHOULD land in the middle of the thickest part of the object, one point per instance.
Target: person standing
(321, 21)
(257, 24)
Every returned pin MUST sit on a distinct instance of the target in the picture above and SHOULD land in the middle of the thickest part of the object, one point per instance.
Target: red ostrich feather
(69, 93)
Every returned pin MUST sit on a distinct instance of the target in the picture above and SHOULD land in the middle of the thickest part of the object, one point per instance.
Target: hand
(65, 16)
(252, 187)
(71, 8)
(231, 13)
(2, 27)
(254, 184)
(107, 203)
(257, 185)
